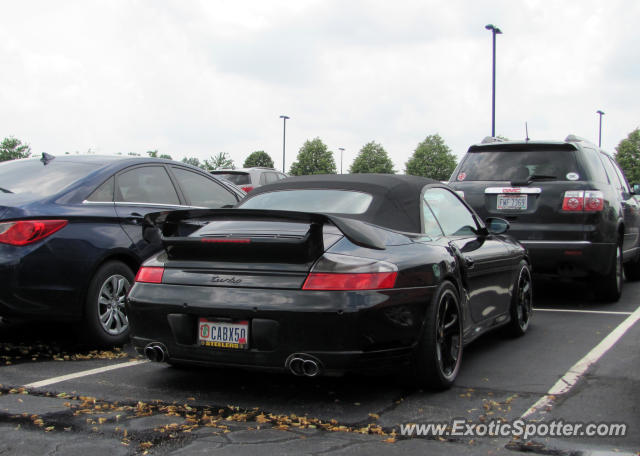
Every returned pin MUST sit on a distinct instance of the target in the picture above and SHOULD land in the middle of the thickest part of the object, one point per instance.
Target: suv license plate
(512, 202)
(219, 334)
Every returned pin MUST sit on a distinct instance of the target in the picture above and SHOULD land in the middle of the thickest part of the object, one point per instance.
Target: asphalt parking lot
(59, 398)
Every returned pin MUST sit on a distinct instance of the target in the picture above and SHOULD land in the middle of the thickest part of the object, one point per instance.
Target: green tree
(192, 161)
(258, 158)
(372, 158)
(432, 158)
(220, 161)
(153, 153)
(313, 158)
(628, 156)
(12, 148)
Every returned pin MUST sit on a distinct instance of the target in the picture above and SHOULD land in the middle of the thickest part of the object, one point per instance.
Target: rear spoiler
(180, 224)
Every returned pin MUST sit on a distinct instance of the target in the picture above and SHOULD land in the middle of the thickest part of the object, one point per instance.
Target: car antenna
(526, 130)
(46, 158)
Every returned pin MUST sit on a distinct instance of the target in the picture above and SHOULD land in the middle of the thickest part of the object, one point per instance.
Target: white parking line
(62, 378)
(574, 374)
(604, 312)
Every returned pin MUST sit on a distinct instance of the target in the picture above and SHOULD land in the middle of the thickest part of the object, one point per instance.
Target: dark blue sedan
(71, 233)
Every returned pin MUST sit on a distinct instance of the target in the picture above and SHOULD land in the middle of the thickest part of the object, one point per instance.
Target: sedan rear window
(35, 178)
(236, 178)
(519, 165)
(331, 201)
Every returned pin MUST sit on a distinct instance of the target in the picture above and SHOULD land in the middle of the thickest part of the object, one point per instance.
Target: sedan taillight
(247, 188)
(344, 272)
(150, 274)
(583, 201)
(24, 232)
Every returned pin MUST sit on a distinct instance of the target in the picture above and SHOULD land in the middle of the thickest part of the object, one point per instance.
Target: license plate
(517, 202)
(220, 334)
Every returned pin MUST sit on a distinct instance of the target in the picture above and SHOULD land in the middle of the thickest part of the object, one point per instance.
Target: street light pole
(341, 149)
(495, 31)
(600, 113)
(284, 137)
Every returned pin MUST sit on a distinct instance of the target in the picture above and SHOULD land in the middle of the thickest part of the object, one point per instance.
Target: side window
(623, 180)
(611, 172)
(594, 165)
(282, 176)
(430, 225)
(271, 177)
(104, 193)
(263, 178)
(147, 184)
(202, 191)
(453, 216)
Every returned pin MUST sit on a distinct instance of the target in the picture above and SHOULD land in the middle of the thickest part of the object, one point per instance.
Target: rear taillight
(583, 201)
(24, 232)
(344, 272)
(247, 188)
(150, 274)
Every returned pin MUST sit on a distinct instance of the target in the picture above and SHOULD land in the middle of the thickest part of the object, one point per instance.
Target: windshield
(35, 178)
(331, 201)
(518, 166)
(235, 178)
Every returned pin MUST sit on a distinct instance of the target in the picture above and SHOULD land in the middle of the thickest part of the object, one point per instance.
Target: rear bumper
(345, 331)
(570, 258)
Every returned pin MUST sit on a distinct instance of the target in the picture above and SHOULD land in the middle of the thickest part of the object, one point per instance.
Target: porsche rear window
(503, 165)
(321, 200)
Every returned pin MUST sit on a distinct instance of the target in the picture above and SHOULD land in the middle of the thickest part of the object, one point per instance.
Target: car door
(139, 191)
(629, 205)
(486, 262)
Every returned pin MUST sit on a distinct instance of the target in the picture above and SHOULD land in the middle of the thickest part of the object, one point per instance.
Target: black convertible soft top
(396, 198)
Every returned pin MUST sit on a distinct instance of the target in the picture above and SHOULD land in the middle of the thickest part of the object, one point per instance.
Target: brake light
(361, 281)
(583, 201)
(150, 274)
(593, 200)
(24, 232)
(247, 188)
(345, 272)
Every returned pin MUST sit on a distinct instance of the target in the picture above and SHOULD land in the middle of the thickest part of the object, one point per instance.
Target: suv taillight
(150, 274)
(24, 232)
(583, 201)
(247, 188)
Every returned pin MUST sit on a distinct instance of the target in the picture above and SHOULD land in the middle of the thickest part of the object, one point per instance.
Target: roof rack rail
(491, 139)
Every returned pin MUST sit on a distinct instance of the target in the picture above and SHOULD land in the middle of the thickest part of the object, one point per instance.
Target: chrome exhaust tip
(310, 368)
(157, 352)
(301, 364)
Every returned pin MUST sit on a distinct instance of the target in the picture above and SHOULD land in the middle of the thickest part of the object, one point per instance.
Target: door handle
(469, 262)
(135, 217)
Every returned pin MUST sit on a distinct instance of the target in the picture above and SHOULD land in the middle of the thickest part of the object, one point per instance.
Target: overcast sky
(194, 78)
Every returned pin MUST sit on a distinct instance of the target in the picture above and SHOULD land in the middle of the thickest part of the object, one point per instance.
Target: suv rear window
(503, 165)
(235, 178)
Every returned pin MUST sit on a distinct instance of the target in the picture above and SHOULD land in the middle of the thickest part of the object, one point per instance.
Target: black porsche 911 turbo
(327, 274)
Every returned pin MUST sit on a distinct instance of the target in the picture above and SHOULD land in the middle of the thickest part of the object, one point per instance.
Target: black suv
(567, 202)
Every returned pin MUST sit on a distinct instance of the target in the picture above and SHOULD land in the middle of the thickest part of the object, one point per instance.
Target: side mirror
(497, 225)
(635, 189)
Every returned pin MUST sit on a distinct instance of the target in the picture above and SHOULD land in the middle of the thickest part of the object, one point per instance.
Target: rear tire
(438, 356)
(105, 318)
(608, 287)
(521, 301)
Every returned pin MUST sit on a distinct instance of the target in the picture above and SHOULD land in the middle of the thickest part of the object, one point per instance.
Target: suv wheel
(608, 287)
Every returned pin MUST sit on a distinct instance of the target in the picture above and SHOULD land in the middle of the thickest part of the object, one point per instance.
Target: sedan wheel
(438, 357)
(105, 315)
(111, 311)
